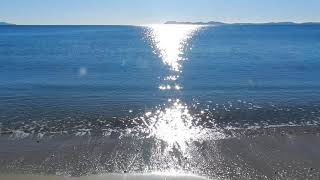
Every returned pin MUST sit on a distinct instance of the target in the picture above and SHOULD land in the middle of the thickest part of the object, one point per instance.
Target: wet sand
(276, 153)
(103, 177)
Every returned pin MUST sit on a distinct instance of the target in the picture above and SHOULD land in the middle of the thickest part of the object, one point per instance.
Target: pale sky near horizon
(156, 11)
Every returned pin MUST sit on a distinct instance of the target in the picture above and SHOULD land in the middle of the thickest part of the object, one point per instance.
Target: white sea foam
(19, 134)
(83, 132)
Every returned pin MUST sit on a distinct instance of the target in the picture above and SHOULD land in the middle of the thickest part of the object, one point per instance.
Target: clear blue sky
(156, 11)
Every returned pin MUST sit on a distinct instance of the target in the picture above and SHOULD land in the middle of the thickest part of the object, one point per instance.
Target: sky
(136, 12)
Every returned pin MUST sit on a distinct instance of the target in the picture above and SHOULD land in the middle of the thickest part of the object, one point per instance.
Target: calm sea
(70, 78)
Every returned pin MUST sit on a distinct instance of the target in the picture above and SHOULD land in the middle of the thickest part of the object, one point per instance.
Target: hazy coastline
(223, 23)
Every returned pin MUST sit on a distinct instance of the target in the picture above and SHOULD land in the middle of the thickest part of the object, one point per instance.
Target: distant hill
(222, 23)
(5, 24)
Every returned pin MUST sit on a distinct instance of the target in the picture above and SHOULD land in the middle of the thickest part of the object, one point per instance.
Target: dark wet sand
(287, 153)
(102, 177)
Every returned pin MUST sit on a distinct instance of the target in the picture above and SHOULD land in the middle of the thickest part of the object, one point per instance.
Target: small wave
(18, 134)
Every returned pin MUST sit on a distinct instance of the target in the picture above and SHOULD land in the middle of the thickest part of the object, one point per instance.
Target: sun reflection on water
(176, 126)
(173, 123)
(170, 41)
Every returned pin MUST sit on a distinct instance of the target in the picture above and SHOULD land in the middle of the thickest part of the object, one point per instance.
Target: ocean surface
(173, 83)
(238, 75)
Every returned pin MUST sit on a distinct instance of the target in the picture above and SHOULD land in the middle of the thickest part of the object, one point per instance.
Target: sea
(170, 85)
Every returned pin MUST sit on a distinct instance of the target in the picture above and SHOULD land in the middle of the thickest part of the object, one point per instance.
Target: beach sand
(276, 153)
(103, 177)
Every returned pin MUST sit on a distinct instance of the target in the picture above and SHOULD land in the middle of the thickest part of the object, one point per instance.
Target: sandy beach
(276, 153)
(103, 177)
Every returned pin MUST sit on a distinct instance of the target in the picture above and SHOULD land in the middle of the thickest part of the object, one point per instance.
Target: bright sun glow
(173, 124)
(170, 41)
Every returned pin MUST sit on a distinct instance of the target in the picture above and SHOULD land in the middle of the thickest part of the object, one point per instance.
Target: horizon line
(191, 22)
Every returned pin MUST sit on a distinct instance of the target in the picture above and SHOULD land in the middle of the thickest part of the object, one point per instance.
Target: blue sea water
(238, 76)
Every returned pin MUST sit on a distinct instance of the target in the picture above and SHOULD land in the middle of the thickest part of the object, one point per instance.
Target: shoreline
(290, 153)
(105, 176)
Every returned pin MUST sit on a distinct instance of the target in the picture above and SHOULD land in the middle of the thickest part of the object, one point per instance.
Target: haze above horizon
(134, 12)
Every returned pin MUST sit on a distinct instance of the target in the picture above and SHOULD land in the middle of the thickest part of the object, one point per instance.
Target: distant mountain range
(222, 23)
(5, 24)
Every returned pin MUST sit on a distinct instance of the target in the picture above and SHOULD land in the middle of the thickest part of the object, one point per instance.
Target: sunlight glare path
(170, 42)
(173, 123)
